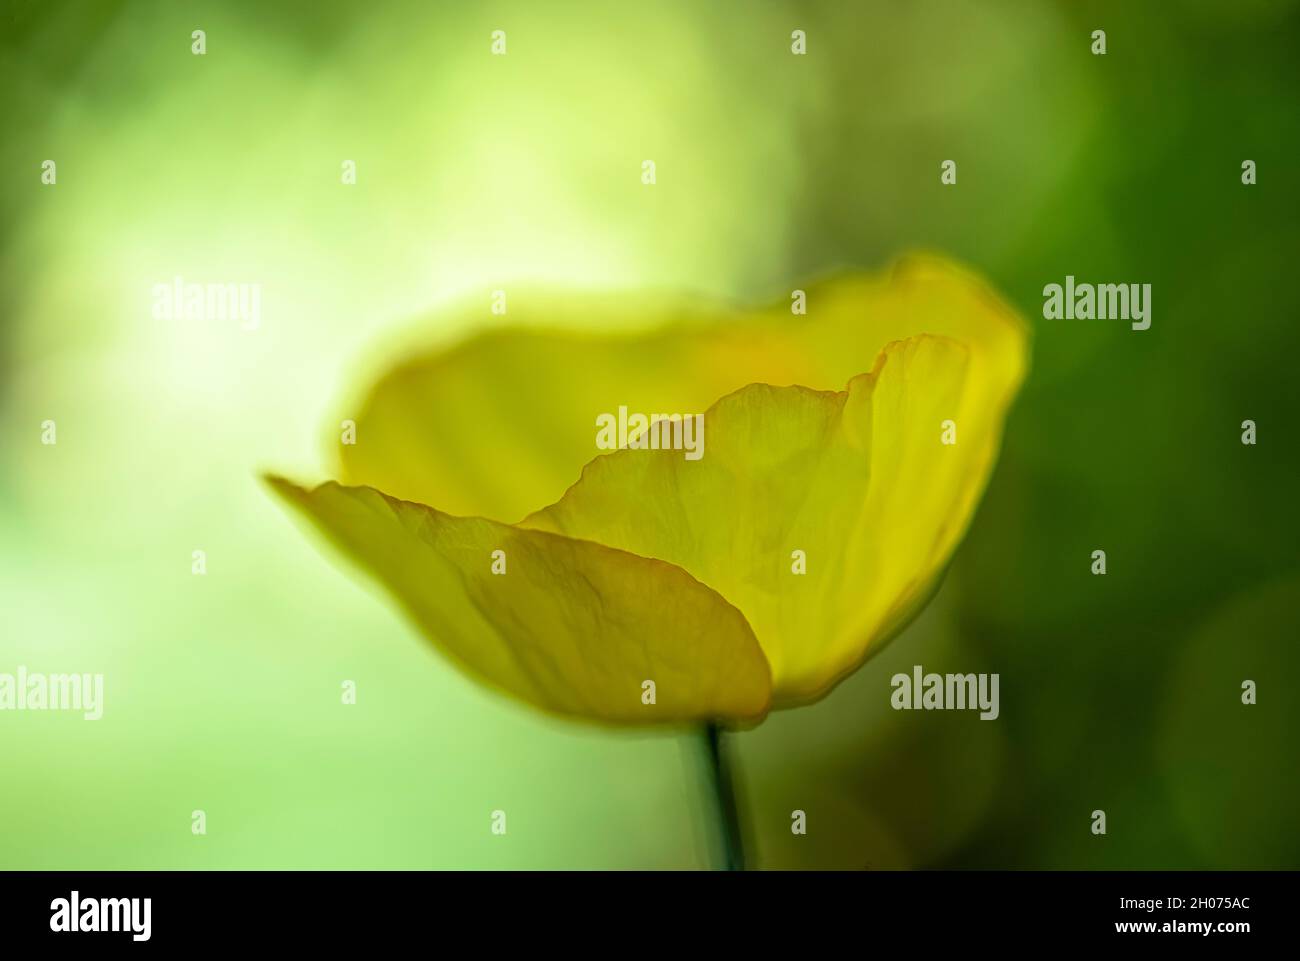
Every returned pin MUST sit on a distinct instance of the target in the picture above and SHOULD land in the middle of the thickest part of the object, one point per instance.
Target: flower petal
(502, 423)
(572, 627)
(861, 481)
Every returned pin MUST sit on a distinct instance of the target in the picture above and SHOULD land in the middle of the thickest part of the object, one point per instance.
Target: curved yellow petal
(504, 421)
(863, 483)
(572, 627)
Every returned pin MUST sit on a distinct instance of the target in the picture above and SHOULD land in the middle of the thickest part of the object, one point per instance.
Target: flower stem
(724, 792)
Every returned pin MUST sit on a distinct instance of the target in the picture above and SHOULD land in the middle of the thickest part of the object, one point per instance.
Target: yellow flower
(844, 452)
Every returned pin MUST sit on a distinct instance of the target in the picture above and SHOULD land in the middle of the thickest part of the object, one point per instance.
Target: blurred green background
(222, 692)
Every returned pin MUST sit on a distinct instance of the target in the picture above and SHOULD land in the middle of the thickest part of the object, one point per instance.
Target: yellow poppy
(840, 456)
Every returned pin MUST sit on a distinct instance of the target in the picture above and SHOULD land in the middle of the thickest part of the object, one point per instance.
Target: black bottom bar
(444, 910)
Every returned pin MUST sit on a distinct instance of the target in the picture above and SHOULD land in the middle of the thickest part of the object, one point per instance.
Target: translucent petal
(572, 627)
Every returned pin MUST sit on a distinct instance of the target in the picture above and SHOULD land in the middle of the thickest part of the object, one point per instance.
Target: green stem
(725, 793)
